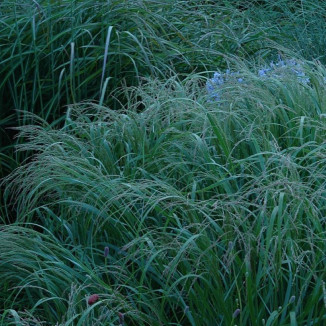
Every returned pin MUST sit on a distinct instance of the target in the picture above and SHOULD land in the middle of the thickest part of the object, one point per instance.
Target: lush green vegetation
(129, 182)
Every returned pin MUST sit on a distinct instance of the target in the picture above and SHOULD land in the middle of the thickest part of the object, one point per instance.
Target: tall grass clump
(59, 52)
(55, 53)
(186, 212)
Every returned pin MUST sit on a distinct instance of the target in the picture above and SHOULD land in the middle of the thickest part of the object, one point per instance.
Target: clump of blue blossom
(218, 80)
(280, 69)
(283, 67)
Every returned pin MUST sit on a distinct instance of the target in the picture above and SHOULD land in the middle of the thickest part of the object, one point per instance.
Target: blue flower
(279, 70)
(263, 72)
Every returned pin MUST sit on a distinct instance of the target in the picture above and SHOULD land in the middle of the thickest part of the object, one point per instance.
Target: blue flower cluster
(282, 67)
(275, 70)
(219, 79)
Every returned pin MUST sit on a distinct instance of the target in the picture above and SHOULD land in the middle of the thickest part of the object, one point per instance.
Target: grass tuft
(207, 208)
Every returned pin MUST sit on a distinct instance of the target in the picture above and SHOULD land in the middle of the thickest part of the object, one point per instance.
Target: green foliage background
(213, 212)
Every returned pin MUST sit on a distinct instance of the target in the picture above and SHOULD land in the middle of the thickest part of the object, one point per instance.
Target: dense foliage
(144, 189)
